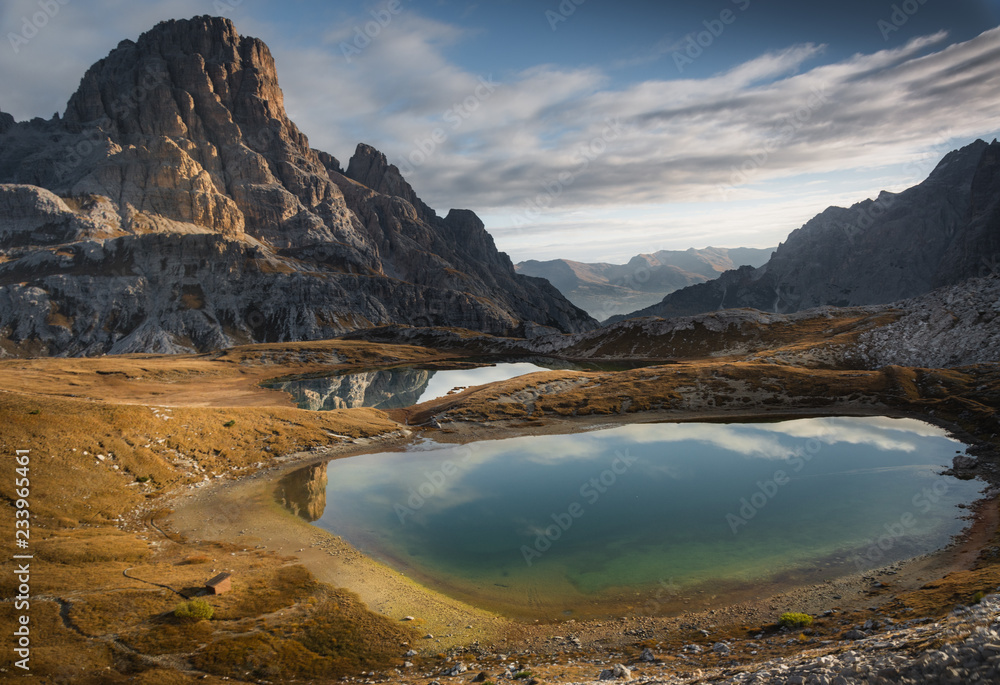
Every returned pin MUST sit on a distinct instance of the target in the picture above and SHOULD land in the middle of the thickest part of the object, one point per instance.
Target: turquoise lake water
(575, 525)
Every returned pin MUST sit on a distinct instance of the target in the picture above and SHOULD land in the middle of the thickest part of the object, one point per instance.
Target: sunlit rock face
(175, 207)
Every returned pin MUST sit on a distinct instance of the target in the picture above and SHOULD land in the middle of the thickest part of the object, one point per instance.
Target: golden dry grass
(278, 618)
(229, 378)
(86, 460)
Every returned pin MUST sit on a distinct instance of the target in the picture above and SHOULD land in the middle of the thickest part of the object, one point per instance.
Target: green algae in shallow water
(590, 522)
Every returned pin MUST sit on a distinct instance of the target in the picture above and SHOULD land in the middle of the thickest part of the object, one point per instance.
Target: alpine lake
(643, 517)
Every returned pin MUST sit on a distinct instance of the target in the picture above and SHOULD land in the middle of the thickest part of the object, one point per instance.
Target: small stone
(457, 669)
(647, 655)
(963, 462)
(721, 648)
(617, 672)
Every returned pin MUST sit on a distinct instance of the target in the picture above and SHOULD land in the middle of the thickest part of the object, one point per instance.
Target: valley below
(154, 473)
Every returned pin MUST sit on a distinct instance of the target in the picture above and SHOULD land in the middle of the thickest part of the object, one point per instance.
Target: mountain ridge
(939, 232)
(604, 289)
(178, 144)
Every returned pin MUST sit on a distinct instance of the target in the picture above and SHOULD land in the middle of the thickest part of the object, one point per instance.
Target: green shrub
(978, 597)
(791, 619)
(195, 610)
(230, 423)
(521, 675)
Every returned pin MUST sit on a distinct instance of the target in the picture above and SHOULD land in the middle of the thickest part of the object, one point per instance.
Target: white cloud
(775, 119)
(710, 140)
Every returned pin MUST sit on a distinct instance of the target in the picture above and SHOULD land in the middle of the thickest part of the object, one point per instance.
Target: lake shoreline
(386, 591)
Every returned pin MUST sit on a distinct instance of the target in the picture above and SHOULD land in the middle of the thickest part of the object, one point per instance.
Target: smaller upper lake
(405, 386)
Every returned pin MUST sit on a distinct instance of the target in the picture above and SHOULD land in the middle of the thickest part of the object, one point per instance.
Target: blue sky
(595, 130)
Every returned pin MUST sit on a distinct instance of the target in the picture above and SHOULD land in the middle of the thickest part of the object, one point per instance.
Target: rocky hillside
(175, 207)
(605, 290)
(952, 326)
(898, 246)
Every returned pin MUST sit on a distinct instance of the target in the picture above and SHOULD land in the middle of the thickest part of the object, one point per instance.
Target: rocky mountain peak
(369, 167)
(958, 165)
(182, 78)
(175, 207)
(900, 245)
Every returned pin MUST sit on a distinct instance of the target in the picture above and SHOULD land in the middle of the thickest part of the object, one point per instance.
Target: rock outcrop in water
(175, 207)
(898, 246)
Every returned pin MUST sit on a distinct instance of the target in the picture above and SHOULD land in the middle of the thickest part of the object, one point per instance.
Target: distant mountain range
(604, 290)
(174, 207)
(900, 245)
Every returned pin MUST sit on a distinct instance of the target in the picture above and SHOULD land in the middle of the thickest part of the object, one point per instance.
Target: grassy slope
(121, 623)
(115, 627)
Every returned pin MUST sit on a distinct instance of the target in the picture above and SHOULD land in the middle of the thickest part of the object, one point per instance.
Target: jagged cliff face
(941, 232)
(175, 207)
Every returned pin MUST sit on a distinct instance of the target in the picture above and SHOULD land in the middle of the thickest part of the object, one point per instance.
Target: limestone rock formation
(175, 207)
(952, 326)
(898, 246)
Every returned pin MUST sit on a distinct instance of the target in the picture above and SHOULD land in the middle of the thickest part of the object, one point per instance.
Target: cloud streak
(684, 136)
(751, 133)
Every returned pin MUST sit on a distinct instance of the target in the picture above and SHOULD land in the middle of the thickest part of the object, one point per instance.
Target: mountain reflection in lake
(303, 492)
(403, 386)
(594, 521)
(385, 389)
